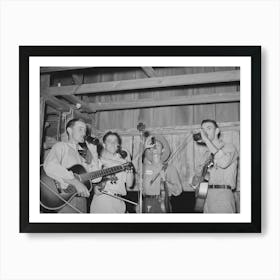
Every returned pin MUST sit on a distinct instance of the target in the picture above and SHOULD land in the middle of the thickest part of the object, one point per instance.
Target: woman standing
(103, 203)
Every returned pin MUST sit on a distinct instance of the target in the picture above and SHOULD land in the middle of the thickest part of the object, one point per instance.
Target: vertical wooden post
(42, 123)
(58, 131)
(44, 83)
(94, 127)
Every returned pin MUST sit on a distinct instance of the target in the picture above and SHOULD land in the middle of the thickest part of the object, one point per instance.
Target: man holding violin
(110, 201)
(158, 189)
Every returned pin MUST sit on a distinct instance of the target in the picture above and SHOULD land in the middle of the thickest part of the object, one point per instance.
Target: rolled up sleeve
(225, 156)
(53, 166)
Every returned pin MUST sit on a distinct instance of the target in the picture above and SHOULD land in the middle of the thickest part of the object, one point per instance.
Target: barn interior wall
(183, 117)
(159, 116)
(163, 116)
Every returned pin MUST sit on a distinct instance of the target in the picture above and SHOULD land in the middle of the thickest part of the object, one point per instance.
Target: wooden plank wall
(188, 157)
(165, 116)
(174, 122)
(155, 117)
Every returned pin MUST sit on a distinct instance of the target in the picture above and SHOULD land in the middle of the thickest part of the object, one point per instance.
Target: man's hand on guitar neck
(196, 180)
(81, 188)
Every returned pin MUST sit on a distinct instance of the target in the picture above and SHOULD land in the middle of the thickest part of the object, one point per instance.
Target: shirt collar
(74, 146)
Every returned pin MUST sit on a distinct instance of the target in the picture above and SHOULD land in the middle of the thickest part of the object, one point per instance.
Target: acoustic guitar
(202, 189)
(54, 197)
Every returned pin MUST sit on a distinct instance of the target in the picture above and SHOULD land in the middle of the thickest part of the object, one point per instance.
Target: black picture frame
(254, 52)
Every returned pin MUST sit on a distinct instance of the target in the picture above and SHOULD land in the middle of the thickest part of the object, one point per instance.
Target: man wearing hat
(157, 191)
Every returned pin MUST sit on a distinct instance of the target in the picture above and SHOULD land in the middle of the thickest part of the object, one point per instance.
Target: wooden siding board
(202, 112)
(189, 156)
(171, 115)
(148, 83)
(227, 112)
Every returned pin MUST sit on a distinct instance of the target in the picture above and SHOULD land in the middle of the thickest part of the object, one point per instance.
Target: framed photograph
(140, 139)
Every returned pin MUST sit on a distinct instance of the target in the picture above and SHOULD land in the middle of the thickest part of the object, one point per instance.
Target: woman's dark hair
(112, 133)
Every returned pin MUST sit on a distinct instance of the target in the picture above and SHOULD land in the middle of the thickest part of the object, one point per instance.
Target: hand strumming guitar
(195, 181)
(81, 188)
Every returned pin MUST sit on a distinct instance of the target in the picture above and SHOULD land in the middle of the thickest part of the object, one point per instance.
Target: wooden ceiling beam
(51, 100)
(147, 83)
(149, 71)
(184, 100)
(173, 130)
(78, 78)
(58, 104)
(45, 70)
(76, 101)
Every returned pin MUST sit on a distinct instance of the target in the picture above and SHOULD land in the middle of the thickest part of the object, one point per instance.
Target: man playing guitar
(222, 173)
(63, 155)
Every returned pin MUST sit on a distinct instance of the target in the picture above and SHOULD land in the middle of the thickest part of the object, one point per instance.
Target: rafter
(184, 100)
(44, 70)
(147, 83)
(78, 103)
(149, 71)
(51, 100)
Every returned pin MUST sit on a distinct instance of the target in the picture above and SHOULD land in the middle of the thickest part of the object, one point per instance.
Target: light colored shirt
(64, 155)
(173, 181)
(117, 187)
(224, 171)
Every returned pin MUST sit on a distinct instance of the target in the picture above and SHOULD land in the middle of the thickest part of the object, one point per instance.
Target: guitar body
(202, 189)
(200, 195)
(52, 197)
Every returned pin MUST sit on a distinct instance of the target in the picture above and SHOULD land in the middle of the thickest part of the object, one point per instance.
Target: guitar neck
(205, 168)
(204, 171)
(101, 173)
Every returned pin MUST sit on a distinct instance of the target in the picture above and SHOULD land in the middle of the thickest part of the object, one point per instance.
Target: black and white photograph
(155, 143)
(140, 140)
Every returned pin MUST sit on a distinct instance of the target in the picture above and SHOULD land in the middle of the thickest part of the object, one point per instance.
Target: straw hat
(165, 149)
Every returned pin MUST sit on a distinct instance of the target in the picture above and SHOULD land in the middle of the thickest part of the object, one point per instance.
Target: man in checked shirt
(222, 175)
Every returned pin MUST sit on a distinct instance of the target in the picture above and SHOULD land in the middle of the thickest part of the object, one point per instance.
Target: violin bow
(174, 154)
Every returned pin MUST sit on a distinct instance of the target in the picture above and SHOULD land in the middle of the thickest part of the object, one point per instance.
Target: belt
(152, 196)
(227, 187)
